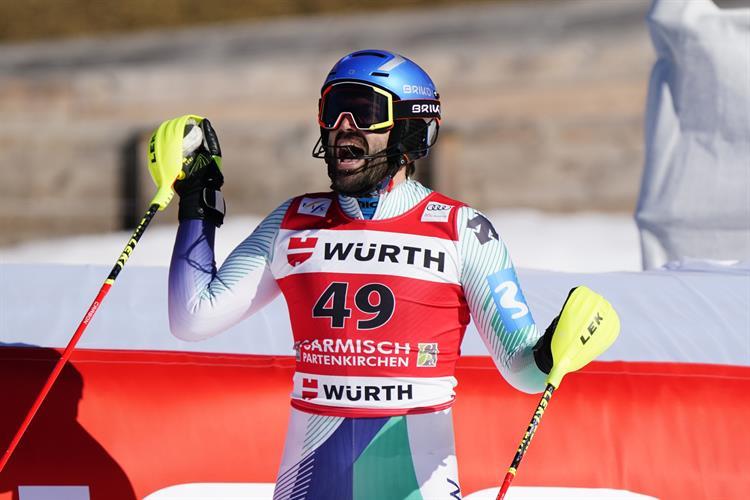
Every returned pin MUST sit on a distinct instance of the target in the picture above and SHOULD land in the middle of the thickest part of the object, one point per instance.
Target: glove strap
(205, 204)
(543, 348)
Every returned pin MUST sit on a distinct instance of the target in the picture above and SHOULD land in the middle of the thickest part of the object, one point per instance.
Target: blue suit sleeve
(204, 301)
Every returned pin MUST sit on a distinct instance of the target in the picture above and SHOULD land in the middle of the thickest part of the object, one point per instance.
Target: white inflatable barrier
(675, 316)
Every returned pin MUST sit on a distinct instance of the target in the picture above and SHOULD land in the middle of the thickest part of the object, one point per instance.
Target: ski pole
(530, 431)
(587, 326)
(79, 331)
(165, 157)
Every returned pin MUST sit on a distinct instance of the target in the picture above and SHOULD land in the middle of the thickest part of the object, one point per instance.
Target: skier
(380, 275)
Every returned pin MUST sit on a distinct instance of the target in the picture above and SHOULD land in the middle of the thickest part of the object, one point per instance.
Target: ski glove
(200, 188)
(543, 347)
(586, 327)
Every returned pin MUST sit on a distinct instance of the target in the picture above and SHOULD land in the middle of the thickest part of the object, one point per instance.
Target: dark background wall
(543, 107)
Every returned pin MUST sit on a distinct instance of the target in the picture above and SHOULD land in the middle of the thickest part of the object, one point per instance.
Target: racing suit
(378, 309)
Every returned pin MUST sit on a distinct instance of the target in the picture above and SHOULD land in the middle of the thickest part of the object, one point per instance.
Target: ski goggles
(369, 107)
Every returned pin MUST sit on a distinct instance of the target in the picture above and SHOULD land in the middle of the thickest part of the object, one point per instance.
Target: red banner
(129, 423)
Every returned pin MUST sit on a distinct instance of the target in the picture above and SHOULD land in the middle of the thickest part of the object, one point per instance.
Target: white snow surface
(577, 242)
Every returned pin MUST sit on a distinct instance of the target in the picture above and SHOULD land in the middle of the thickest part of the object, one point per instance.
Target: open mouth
(350, 148)
(349, 152)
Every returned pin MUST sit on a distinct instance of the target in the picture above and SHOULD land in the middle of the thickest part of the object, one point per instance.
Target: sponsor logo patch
(300, 249)
(509, 300)
(414, 256)
(313, 388)
(419, 90)
(350, 352)
(314, 206)
(309, 388)
(427, 355)
(436, 212)
(420, 109)
(339, 392)
(482, 228)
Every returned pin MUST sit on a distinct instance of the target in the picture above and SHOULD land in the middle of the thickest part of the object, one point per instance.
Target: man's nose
(347, 122)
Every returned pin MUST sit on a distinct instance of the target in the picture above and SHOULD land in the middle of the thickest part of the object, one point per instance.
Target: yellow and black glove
(184, 156)
(200, 188)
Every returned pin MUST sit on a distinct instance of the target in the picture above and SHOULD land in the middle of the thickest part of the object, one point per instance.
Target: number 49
(332, 304)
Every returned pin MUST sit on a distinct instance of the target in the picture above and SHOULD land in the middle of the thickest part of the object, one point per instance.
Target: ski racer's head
(378, 113)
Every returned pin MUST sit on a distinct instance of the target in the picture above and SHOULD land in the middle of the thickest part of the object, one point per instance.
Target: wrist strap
(205, 204)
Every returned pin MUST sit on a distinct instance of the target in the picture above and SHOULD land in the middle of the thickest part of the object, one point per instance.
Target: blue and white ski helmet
(412, 136)
(393, 72)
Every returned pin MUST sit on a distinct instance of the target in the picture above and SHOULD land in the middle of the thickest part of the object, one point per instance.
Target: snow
(577, 242)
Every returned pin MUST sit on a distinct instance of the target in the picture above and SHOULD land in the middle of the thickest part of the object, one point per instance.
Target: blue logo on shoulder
(509, 300)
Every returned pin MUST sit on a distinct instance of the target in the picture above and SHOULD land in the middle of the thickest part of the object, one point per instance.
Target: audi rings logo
(436, 212)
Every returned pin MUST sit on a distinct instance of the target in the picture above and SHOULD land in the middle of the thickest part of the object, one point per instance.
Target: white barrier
(677, 316)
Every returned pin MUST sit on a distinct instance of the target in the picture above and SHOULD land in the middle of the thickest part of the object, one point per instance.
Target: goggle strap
(416, 108)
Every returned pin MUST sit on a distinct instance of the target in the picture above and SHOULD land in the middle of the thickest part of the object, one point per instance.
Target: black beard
(360, 183)
(364, 179)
